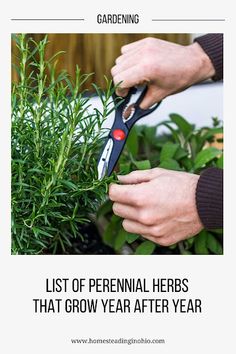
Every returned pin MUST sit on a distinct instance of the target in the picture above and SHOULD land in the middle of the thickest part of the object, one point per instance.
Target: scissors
(126, 114)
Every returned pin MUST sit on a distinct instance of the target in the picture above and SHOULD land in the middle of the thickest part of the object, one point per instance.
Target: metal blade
(104, 159)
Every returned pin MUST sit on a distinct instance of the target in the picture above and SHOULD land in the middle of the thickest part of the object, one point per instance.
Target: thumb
(153, 95)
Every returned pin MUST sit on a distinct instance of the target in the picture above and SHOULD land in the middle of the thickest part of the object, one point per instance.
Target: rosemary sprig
(55, 145)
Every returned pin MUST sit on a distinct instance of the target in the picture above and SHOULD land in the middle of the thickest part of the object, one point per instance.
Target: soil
(92, 243)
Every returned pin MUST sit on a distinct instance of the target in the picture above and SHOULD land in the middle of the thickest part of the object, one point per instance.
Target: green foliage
(145, 248)
(205, 156)
(184, 149)
(56, 138)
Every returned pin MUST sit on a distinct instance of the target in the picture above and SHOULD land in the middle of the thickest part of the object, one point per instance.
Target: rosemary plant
(56, 138)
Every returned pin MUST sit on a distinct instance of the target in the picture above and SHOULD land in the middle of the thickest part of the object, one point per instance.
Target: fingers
(153, 96)
(125, 211)
(136, 177)
(141, 176)
(135, 227)
(130, 77)
(126, 194)
(148, 232)
(127, 74)
(161, 240)
(132, 46)
(150, 238)
(130, 57)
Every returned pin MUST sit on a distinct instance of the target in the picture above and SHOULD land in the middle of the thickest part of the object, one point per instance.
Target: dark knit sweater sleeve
(212, 44)
(209, 198)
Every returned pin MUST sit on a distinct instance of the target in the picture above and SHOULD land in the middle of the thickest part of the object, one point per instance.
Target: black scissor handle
(139, 112)
(120, 129)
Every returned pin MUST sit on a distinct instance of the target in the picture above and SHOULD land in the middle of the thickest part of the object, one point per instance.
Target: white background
(211, 277)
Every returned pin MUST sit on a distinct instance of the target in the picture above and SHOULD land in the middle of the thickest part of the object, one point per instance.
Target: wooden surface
(94, 53)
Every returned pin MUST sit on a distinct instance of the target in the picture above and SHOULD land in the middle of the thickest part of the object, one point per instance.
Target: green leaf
(220, 162)
(120, 239)
(187, 163)
(38, 231)
(200, 243)
(150, 134)
(186, 252)
(205, 156)
(145, 248)
(130, 238)
(182, 124)
(180, 153)
(213, 244)
(125, 167)
(111, 231)
(132, 142)
(69, 184)
(142, 165)
(105, 208)
(170, 164)
(174, 133)
(168, 150)
(210, 133)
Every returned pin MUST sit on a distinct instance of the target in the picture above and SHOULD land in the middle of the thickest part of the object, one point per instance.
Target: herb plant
(181, 148)
(56, 138)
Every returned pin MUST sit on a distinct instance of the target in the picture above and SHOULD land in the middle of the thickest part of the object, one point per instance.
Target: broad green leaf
(189, 242)
(168, 150)
(150, 134)
(220, 162)
(105, 208)
(194, 146)
(130, 238)
(132, 142)
(145, 248)
(120, 239)
(142, 165)
(111, 231)
(180, 153)
(213, 244)
(187, 163)
(170, 164)
(174, 132)
(200, 243)
(185, 127)
(205, 156)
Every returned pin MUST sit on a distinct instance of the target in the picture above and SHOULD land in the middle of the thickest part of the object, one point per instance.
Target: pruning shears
(127, 113)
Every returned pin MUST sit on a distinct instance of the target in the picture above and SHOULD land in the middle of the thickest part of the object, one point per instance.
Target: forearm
(212, 44)
(209, 198)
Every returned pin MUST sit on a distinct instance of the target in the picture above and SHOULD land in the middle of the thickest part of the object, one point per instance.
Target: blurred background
(94, 53)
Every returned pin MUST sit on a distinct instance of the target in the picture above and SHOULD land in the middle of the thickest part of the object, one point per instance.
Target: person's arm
(212, 44)
(158, 204)
(166, 67)
(209, 198)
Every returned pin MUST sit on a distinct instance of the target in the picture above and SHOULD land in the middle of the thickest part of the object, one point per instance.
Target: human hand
(166, 67)
(158, 204)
